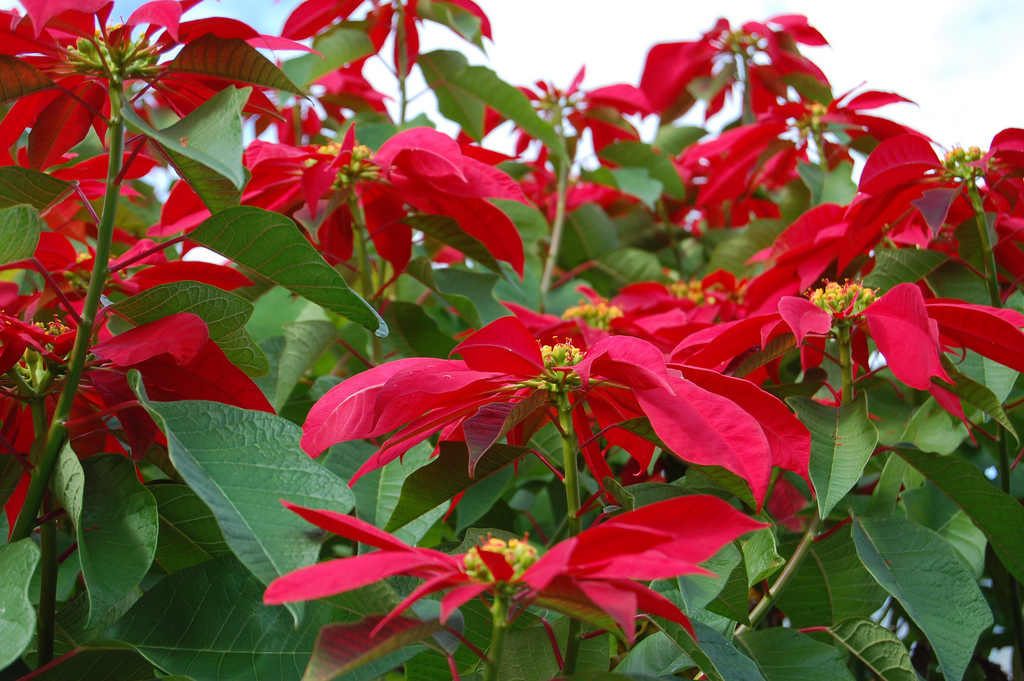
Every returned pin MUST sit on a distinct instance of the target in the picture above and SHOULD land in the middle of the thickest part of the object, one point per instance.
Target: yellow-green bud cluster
(843, 300)
(957, 162)
(560, 355)
(132, 59)
(359, 168)
(691, 290)
(54, 328)
(596, 315)
(518, 553)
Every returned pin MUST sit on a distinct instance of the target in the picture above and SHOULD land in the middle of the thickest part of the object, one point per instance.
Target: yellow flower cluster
(843, 300)
(518, 553)
(596, 315)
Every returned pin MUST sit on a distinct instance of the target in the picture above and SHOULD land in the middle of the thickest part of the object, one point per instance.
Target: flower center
(957, 162)
(843, 300)
(597, 315)
(115, 53)
(691, 291)
(560, 355)
(359, 167)
(518, 553)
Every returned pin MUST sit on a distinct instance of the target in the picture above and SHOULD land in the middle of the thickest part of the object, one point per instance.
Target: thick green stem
(845, 361)
(83, 338)
(499, 628)
(572, 502)
(992, 281)
(556, 230)
(47, 591)
(747, 118)
(991, 276)
(819, 143)
(402, 67)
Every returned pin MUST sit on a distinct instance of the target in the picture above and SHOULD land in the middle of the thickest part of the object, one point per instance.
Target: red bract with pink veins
(713, 65)
(588, 576)
(618, 379)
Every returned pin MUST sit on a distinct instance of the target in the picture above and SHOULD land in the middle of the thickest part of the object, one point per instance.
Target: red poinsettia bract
(588, 576)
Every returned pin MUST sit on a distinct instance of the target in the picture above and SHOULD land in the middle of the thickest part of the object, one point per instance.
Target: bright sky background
(959, 61)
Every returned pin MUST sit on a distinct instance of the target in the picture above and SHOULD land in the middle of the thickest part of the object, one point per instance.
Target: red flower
(588, 576)
(619, 378)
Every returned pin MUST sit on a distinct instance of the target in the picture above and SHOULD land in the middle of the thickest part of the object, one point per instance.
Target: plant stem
(360, 235)
(561, 190)
(47, 591)
(845, 361)
(402, 67)
(572, 501)
(992, 280)
(76, 363)
(747, 117)
(499, 628)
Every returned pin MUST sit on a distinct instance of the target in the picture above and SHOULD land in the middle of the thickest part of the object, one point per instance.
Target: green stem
(819, 142)
(83, 338)
(992, 280)
(991, 276)
(747, 117)
(402, 67)
(562, 190)
(47, 591)
(572, 502)
(360, 235)
(499, 628)
(845, 361)
(787, 574)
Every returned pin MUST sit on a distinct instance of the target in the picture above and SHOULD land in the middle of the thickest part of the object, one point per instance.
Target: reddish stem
(131, 159)
(74, 423)
(558, 473)
(828, 533)
(355, 353)
(554, 642)
(67, 553)
(466, 642)
(146, 253)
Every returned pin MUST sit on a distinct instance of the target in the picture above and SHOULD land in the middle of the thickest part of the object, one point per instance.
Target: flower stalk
(499, 629)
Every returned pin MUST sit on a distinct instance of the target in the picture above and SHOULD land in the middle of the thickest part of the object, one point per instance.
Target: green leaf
(715, 656)
(20, 227)
(338, 45)
(225, 315)
(641, 155)
(304, 342)
(241, 463)
(903, 265)
(881, 651)
(887, 490)
(415, 333)
(760, 556)
(111, 662)
(974, 393)
(831, 585)
(343, 648)
(189, 533)
(421, 269)
(446, 476)
(116, 523)
(72, 626)
(655, 655)
(19, 78)
(921, 570)
(699, 590)
(671, 140)
(31, 187)
(209, 622)
(733, 601)
(210, 135)
(842, 440)
(216, 191)
(998, 515)
(788, 655)
(463, 92)
(836, 186)
(272, 245)
(589, 233)
(230, 59)
(715, 478)
(17, 616)
(447, 231)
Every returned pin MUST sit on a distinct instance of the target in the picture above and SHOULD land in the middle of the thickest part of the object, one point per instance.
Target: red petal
(181, 335)
(897, 161)
(988, 331)
(804, 317)
(503, 346)
(901, 329)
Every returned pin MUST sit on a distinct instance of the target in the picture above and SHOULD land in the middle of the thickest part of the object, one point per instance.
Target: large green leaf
(230, 59)
(209, 622)
(715, 655)
(447, 231)
(17, 617)
(388, 495)
(241, 463)
(414, 333)
(998, 515)
(20, 227)
(225, 315)
(189, 533)
(110, 662)
(974, 393)
(672, 139)
(788, 655)
(421, 269)
(19, 78)
(272, 245)
(216, 191)
(116, 522)
(897, 266)
(697, 591)
(210, 135)
(922, 571)
(464, 92)
(831, 584)
(842, 440)
(446, 476)
(339, 46)
(881, 651)
(640, 155)
(31, 187)
(834, 186)
(302, 343)
(588, 234)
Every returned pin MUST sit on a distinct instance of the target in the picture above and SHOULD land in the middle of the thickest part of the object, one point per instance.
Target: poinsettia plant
(350, 397)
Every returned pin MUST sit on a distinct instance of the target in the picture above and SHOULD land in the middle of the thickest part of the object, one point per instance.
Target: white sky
(959, 61)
